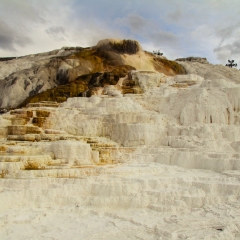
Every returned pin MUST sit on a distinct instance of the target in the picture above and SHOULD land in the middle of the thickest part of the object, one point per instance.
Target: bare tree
(157, 52)
(231, 64)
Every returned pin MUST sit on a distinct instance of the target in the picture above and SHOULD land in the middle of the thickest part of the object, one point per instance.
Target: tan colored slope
(106, 55)
(60, 67)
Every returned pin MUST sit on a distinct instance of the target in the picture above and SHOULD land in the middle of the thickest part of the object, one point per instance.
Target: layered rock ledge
(146, 152)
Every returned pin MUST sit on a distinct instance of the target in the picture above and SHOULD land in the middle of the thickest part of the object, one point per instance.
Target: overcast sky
(179, 28)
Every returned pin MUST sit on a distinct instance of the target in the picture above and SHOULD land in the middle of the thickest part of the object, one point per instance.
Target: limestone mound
(27, 76)
(163, 164)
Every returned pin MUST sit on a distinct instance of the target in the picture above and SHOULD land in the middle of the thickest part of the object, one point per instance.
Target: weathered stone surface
(38, 121)
(193, 59)
(22, 130)
(36, 162)
(213, 74)
(164, 163)
(72, 152)
(22, 113)
(49, 104)
(146, 80)
(68, 72)
(20, 121)
(27, 137)
(42, 113)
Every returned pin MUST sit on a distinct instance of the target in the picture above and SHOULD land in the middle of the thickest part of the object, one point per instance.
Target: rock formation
(142, 154)
(193, 59)
(22, 78)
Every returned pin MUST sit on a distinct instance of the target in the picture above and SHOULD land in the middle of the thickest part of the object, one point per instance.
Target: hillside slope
(27, 76)
(142, 154)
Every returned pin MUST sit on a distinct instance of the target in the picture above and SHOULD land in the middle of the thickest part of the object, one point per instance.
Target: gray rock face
(32, 74)
(193, 59)
(24, 77)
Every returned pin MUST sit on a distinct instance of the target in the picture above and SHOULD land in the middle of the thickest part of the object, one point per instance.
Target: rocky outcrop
(27, 76)
(160, 164)
(193, 59)
(84, 86)
(215, 75)
(176, 112)
(6, 58)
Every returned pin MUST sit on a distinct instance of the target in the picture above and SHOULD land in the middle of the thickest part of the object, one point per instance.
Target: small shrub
(157, 52)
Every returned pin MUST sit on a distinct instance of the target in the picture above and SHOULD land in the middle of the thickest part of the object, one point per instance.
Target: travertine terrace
(162, 162)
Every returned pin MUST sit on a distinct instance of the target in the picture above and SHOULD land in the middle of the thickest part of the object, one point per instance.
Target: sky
(178, 28)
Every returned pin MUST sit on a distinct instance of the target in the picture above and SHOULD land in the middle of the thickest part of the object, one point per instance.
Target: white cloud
(134, 22)
(229, 43)
(10, 37)
(150, 32)
(229, 51)
(175, 15)
(38, 26)
(204, 39)
(57, 33)
(206, 28)
(164, 38)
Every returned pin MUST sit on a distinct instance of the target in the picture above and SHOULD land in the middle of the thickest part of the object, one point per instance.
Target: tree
(231, 64)
(157, 52)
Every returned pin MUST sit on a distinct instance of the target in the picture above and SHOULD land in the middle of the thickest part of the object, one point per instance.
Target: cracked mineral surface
(162, 162)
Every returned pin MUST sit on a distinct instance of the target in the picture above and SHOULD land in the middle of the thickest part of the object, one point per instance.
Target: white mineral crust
(164, 164)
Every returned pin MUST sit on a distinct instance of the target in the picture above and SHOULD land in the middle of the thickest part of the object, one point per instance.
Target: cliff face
(21, 79)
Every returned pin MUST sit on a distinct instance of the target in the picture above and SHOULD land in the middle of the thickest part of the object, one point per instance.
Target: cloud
(57, 32)
(164, 38)
(229, 31)
(17, 21)
(226, 32)
(228, 46)
(175, 15)
(6, 37)
(148, 29)
(144, 28)
(228, 51)
(27, 10)
(32, 26)
(10, 38)
(134, 22)
(150, 33)
(203, 28)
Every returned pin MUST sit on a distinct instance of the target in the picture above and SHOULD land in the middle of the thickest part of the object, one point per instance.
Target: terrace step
(44, 104)
(23, 129)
